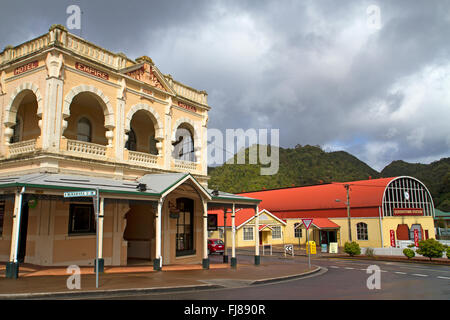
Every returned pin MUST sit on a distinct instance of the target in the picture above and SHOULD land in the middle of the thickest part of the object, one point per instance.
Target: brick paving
(36, 279)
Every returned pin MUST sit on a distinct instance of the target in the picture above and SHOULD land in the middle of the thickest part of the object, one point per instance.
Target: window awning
(324, 223)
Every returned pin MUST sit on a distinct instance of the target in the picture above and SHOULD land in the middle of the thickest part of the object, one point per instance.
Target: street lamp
(347, 187)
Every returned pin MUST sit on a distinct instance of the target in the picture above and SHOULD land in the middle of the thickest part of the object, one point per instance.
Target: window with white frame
(297, 230)
(276, 232)
(248, 233)
(361, 231)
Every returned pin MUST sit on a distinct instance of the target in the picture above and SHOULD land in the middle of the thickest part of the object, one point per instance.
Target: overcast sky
(323, 72)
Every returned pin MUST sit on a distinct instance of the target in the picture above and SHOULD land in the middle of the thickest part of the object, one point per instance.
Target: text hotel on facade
(75, 117)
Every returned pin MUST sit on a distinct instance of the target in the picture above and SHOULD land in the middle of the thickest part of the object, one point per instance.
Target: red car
(215, 246)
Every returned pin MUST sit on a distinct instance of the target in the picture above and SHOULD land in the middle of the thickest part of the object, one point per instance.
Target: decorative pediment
(146, 72)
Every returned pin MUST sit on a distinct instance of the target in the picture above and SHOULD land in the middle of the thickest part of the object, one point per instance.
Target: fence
(400, 246)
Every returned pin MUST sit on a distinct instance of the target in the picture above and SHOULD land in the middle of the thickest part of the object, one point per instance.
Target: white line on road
(334, 267)
(349, 268)
(398, 272)
(447, 278)
(420, 275)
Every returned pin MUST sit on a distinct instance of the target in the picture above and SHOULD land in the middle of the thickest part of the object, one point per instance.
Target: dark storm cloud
(313, 69)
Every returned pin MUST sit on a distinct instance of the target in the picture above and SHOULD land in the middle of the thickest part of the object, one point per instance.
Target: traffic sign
(307, 223)
(288, 249)
(76, 194)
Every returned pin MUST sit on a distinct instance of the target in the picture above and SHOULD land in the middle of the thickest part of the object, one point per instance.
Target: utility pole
(347, 186)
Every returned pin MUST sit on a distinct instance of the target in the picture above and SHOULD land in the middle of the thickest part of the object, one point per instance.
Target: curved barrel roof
(363, 193)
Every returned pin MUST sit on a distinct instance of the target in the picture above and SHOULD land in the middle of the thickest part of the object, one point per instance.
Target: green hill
(306, 165)
(302, 165)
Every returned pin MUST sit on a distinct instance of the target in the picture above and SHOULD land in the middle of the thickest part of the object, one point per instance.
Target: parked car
(216, 246)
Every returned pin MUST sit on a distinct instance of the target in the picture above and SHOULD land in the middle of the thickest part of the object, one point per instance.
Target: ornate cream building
(76, 116)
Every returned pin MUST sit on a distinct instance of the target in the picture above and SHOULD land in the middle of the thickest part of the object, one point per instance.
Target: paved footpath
(40, 282)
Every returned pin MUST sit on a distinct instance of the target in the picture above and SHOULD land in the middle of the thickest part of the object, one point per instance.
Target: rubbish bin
(311, 247)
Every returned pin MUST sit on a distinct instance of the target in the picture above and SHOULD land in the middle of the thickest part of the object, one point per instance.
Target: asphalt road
(340, 280)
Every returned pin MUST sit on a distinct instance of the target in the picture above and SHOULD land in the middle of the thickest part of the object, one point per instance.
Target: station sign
(408, 212)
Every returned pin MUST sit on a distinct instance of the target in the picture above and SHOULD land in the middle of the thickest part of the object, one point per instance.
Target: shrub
(370, 252)
(430, 248)
(352, 248)
(448, 253)
(409, 253)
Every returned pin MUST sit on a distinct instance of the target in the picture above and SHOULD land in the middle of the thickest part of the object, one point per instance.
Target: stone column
(2, 107)
(120, 120)
(204, 149)
(52, 123)
(168, 135)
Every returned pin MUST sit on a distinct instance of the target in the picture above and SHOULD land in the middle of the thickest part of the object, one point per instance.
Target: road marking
(447, 278)
(348, 268)
(334, 267)
(398, 272)
(420, 275)
(424, 269)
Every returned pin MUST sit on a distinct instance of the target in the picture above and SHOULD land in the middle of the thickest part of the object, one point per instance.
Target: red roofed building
(379, 210)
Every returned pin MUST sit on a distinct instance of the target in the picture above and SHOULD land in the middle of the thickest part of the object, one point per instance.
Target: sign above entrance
(408, 212)
(307, 223)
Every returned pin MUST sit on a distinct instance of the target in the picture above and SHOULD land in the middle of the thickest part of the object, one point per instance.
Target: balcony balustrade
(142, 158)
(86, 149)
(22, 147)
(184, 166)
